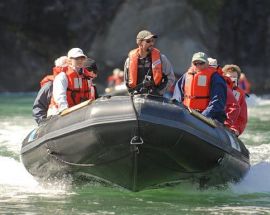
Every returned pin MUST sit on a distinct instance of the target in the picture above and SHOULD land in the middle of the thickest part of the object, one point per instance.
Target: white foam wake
(12, 133)
(256, 181)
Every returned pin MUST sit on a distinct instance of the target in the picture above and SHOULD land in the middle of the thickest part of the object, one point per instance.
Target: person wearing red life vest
(146, 69)
(232, 109)
(43, 98)
(243, 83)
(72, 86)
(202, 88)
(116, 78)
(233, 72)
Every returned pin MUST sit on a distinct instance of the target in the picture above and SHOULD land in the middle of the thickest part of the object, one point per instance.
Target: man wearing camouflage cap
(202, 88)
(146, 69)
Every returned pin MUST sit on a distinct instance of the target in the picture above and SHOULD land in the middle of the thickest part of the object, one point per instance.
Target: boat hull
(135, 142)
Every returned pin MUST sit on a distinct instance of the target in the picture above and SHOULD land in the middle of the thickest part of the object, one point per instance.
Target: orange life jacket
(133, 67)
(197, 88)
(46, 79)
(80, 88)
(56, 71)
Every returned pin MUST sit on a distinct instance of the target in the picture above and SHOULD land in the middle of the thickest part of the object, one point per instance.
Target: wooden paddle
(76, 107)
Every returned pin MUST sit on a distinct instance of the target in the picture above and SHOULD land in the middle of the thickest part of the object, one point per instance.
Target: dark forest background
(35, 32)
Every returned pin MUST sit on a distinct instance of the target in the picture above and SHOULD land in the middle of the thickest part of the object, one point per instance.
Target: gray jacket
(42, 102)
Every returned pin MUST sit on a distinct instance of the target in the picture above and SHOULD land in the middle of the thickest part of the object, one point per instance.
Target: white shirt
(60, 85)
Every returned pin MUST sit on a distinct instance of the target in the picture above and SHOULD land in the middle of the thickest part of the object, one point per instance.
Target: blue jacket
(218, 96)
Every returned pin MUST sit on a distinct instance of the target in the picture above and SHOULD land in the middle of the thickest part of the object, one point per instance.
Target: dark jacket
(42, 102)
(218, 97)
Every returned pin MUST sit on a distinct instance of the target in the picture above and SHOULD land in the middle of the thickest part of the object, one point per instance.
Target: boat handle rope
(54, 155)
(137, 139)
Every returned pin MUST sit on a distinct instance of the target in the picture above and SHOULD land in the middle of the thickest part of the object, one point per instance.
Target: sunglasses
(198, 63)
(149, 40)
(91, 69)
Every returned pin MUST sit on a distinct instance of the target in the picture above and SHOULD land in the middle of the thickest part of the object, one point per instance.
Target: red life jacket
(80, 88)
(46, 79)
(228, 82)
(244, 85)
(197, 88)
(241, 121)
(133, 67)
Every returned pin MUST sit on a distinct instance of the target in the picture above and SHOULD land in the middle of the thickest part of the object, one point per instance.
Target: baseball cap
(200, 56)
(75, 52)
(144, 35)
(212, 62)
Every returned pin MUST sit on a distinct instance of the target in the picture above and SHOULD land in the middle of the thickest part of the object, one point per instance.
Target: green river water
(20, 193)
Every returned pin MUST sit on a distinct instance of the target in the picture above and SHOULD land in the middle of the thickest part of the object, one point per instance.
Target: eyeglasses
(198, 63)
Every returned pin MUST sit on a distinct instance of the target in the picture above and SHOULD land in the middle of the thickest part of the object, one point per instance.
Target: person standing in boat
(73, 86)
(202, 88)
(233, 72)
(146, 69)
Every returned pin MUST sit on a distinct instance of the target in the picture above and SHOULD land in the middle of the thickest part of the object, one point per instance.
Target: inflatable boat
(136, 142)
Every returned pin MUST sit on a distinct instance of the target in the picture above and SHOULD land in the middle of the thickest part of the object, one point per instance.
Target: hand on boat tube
(61, 111)
(235, 132)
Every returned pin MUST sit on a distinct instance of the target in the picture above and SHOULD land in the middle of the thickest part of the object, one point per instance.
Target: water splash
(256, 181)
(13, 131)
(16, 182)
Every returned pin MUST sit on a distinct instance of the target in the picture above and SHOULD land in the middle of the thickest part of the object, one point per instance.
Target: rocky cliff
(34, 33)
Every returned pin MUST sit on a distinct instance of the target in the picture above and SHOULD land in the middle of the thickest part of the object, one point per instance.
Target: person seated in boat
(202, 88)
(116, 78)
(232, 109)
(233, 72)
(146, 69)
(243, 83)
(72, 86)
(43, 99)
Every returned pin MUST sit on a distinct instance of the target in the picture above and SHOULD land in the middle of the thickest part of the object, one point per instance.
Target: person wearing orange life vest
(146, 69)
(203, 89)
(233, 72)
(43, 98)
(73, 86)
(232, 109)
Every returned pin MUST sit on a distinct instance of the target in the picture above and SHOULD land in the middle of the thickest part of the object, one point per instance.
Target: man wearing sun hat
(72, 86)
(202, 88)
(146, 69)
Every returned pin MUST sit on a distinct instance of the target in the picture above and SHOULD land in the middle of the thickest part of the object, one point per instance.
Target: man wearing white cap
(72, 86)
(146, 69)
(202, 88)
